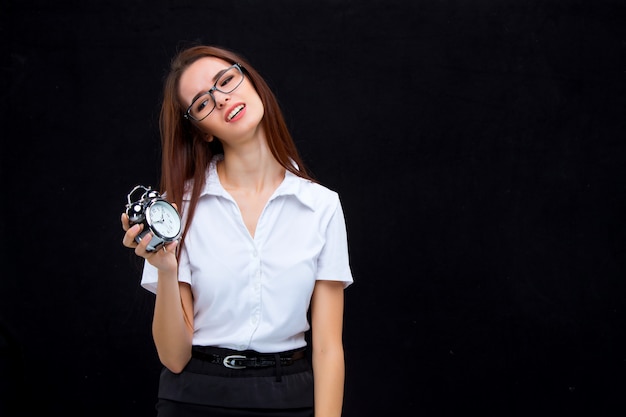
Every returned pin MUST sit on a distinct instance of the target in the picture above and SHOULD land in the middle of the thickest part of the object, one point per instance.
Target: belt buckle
(229, 361)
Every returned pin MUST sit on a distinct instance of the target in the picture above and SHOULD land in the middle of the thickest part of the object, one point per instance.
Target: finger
(129, 236)
(125, 222)
(171, 247)
(141, 250)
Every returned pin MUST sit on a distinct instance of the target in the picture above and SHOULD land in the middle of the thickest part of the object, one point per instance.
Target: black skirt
(205, 388)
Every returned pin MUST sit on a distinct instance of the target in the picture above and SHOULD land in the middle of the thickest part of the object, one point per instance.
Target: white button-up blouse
(254, 293)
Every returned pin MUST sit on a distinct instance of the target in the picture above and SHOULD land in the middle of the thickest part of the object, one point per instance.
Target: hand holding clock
(152, 223)
(165, 258)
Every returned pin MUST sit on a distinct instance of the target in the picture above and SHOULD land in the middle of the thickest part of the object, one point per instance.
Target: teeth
(235, 111)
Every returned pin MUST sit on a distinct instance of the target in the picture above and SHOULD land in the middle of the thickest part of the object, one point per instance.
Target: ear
(209, 138)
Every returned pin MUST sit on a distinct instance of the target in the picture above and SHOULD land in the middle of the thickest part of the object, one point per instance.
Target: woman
(262, 243)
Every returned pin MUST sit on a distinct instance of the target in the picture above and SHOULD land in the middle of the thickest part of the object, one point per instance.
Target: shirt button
(254, 320)
(255, 253)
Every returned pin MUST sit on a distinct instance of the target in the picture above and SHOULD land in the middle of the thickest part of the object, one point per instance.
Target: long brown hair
(185, 152)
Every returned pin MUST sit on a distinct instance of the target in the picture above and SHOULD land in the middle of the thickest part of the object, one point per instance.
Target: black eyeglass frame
(187, 115)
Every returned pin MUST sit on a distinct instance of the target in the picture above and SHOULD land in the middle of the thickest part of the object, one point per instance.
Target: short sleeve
(150, 275)
(333, 263)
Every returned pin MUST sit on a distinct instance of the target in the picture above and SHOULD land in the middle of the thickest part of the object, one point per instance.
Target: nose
(221, 98)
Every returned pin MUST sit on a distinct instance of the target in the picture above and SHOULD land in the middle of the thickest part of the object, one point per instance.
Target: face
(236, 114)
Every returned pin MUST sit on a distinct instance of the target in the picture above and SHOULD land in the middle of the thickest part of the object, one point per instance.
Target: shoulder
(319, 190)
(315, 195)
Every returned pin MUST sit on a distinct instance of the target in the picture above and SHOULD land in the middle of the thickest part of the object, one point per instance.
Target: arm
(172, 324)
(328, 357)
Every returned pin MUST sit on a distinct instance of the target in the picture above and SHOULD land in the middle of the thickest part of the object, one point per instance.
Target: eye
(225, 80)
(202, 104)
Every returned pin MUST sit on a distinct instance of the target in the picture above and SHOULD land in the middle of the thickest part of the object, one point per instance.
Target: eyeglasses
(203, 105)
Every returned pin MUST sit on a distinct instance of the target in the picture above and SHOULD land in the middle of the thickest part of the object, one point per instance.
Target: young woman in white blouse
(263, 254)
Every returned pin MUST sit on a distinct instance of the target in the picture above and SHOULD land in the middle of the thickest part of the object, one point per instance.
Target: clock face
(164, 220)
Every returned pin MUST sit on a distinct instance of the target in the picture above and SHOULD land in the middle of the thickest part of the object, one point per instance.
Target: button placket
(255, 312)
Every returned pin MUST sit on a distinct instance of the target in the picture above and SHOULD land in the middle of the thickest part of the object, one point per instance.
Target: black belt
(247, 360)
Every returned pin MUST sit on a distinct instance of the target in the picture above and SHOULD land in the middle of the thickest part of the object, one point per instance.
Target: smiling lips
(234, 112)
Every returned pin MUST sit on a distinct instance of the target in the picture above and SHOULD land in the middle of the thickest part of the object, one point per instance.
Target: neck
(251, 168)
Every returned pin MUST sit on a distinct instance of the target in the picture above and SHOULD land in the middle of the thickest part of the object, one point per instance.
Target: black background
(478, 148)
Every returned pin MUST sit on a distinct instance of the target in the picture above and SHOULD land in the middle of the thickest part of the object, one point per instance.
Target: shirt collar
(291, 185)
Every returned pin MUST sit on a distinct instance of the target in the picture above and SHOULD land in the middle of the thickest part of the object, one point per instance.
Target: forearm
(329, 377)
(171, 331)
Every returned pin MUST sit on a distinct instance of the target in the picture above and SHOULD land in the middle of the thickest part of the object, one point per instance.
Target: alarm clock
(158, 216)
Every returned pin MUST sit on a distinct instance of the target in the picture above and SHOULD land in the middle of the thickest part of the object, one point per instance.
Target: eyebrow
(215, 78)
(220, 73)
